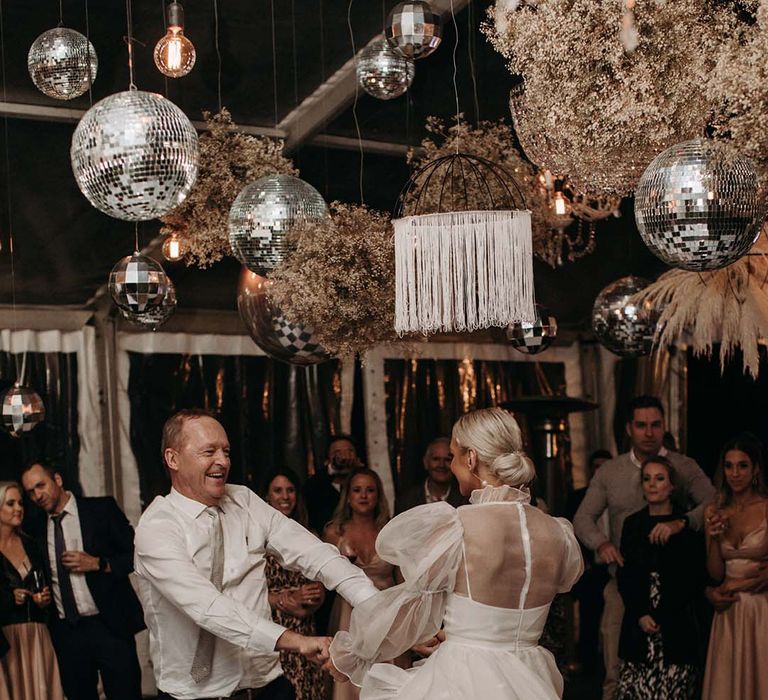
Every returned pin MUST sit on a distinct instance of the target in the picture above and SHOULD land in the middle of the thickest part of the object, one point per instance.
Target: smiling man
(439, 484)
(200, 558)
(616, 488)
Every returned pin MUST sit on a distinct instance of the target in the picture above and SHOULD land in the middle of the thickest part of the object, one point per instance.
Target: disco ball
(134, 155)
(22, 409)
(414, 29)
(270, 330)
(383, 72)
(698, 205)
(532, 338)
(155, 316)
(138, 283)
(62, 63)
(621, 325)
(263, 215)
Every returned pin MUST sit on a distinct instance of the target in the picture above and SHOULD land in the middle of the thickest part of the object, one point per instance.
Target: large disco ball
(383, 72)
(698, 205)
(270, 330)
(62, 63)
(135, 155)
(621, 325)
(152, 318)
(414, 29)
(532, 338)
(263, 215)
(138, 283)
(22, 409)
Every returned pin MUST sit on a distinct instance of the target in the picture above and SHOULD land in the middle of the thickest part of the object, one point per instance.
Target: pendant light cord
(129, 41)
(218, 51)
(354, 104)
(455, 85)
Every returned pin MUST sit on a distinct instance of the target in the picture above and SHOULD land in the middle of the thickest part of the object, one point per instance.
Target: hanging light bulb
(174, 248)
(559, 202)
(174, 53)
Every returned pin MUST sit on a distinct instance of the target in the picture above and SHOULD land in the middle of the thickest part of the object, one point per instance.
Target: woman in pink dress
(736, 527)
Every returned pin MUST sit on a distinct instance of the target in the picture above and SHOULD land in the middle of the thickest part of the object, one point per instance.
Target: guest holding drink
(29, 670)
(737, 557)
(292, 598)
(360, 515)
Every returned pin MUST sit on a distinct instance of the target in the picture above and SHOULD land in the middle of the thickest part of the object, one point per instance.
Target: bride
(486, 573)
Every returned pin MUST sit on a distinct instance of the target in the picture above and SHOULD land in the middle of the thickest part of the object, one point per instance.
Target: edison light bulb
(559, 204)
(174, 53)
(174, 248)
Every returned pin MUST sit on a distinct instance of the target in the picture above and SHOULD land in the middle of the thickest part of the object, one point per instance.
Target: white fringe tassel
(461, 271)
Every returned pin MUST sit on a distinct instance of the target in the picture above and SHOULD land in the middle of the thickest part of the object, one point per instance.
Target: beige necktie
(201, 664)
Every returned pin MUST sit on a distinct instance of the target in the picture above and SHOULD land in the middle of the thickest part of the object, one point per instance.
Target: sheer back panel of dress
(497, 558)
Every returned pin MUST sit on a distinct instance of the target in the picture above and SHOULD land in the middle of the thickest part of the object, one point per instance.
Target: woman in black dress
(659, 583)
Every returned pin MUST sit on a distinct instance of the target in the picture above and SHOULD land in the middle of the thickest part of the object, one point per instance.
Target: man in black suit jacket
(439, 484)
(88, 543)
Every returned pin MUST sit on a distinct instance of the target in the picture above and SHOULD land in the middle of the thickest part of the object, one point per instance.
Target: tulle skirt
(29, 670)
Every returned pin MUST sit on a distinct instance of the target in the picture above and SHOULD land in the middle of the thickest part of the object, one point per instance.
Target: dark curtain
(53, 375)
(276, 415)
(425, 397)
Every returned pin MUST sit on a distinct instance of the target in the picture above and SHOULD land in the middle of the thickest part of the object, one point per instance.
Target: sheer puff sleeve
(572, 563)
(425, 543)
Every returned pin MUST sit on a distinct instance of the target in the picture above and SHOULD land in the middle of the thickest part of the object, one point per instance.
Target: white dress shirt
(173, 563)
(73, 540)
(429, 497)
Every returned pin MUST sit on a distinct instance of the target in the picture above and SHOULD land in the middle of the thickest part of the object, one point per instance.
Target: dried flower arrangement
(341, 279)
(229, 160)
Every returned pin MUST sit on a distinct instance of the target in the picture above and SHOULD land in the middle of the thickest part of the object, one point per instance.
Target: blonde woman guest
(361, 514)
(293, 598)
(486, 573)
(737, 556)
(29, 670)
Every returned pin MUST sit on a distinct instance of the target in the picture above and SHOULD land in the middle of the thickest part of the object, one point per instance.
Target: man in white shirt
(200, 558)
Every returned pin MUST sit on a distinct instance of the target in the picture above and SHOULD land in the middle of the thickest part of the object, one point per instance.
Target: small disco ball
(532, 338)
(383, 72)
(138, 283)
(698, 205)
(135, 155)
(625, 328)
(263, 215)
(155, 316)
(271, 331)
(414, 29)
(22, 409)
(62, 63)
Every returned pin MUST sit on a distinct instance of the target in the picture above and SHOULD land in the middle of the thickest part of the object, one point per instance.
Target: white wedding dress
(486, 573)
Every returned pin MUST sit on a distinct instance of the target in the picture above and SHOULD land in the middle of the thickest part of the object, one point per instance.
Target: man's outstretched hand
(316, 649)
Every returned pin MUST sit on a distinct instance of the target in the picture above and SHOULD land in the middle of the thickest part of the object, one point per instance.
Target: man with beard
(439, 484)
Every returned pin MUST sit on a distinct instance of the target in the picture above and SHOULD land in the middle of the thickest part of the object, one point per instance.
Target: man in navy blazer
(88, 543)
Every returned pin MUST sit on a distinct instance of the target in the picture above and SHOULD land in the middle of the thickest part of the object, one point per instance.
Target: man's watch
(103, 564)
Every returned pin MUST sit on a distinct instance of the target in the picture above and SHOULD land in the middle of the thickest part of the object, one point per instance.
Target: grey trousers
(610, 631)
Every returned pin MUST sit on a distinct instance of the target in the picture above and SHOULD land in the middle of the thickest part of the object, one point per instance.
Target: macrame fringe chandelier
(462, 263)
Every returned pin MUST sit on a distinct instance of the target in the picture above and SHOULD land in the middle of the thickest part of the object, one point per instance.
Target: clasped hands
(41, 599)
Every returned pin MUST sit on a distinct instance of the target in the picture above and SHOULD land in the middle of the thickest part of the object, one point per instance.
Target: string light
(175, 54)
(174, 248)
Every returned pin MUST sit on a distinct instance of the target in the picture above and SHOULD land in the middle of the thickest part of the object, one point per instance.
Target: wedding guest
(201, 558)
(292, 597)
(362, 512)
(737, 558)
(87, 545)
(439, 484)
(616, 489)
(28, 671)
(659, 585)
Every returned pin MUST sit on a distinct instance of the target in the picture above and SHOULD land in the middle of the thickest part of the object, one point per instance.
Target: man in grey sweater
(616, 488)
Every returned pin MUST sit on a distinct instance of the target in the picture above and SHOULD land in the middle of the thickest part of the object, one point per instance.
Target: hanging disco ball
(533, 338)
(263, 215)
(383, 72)
(621, 325)
(62, 63)
(155, 316)
(271, 331)
(414, 29)
(138, 283)
(698, 205)
(135, 155)
(22, 409)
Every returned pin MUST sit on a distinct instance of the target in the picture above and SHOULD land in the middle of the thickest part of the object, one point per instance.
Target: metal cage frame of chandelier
(427, 172)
